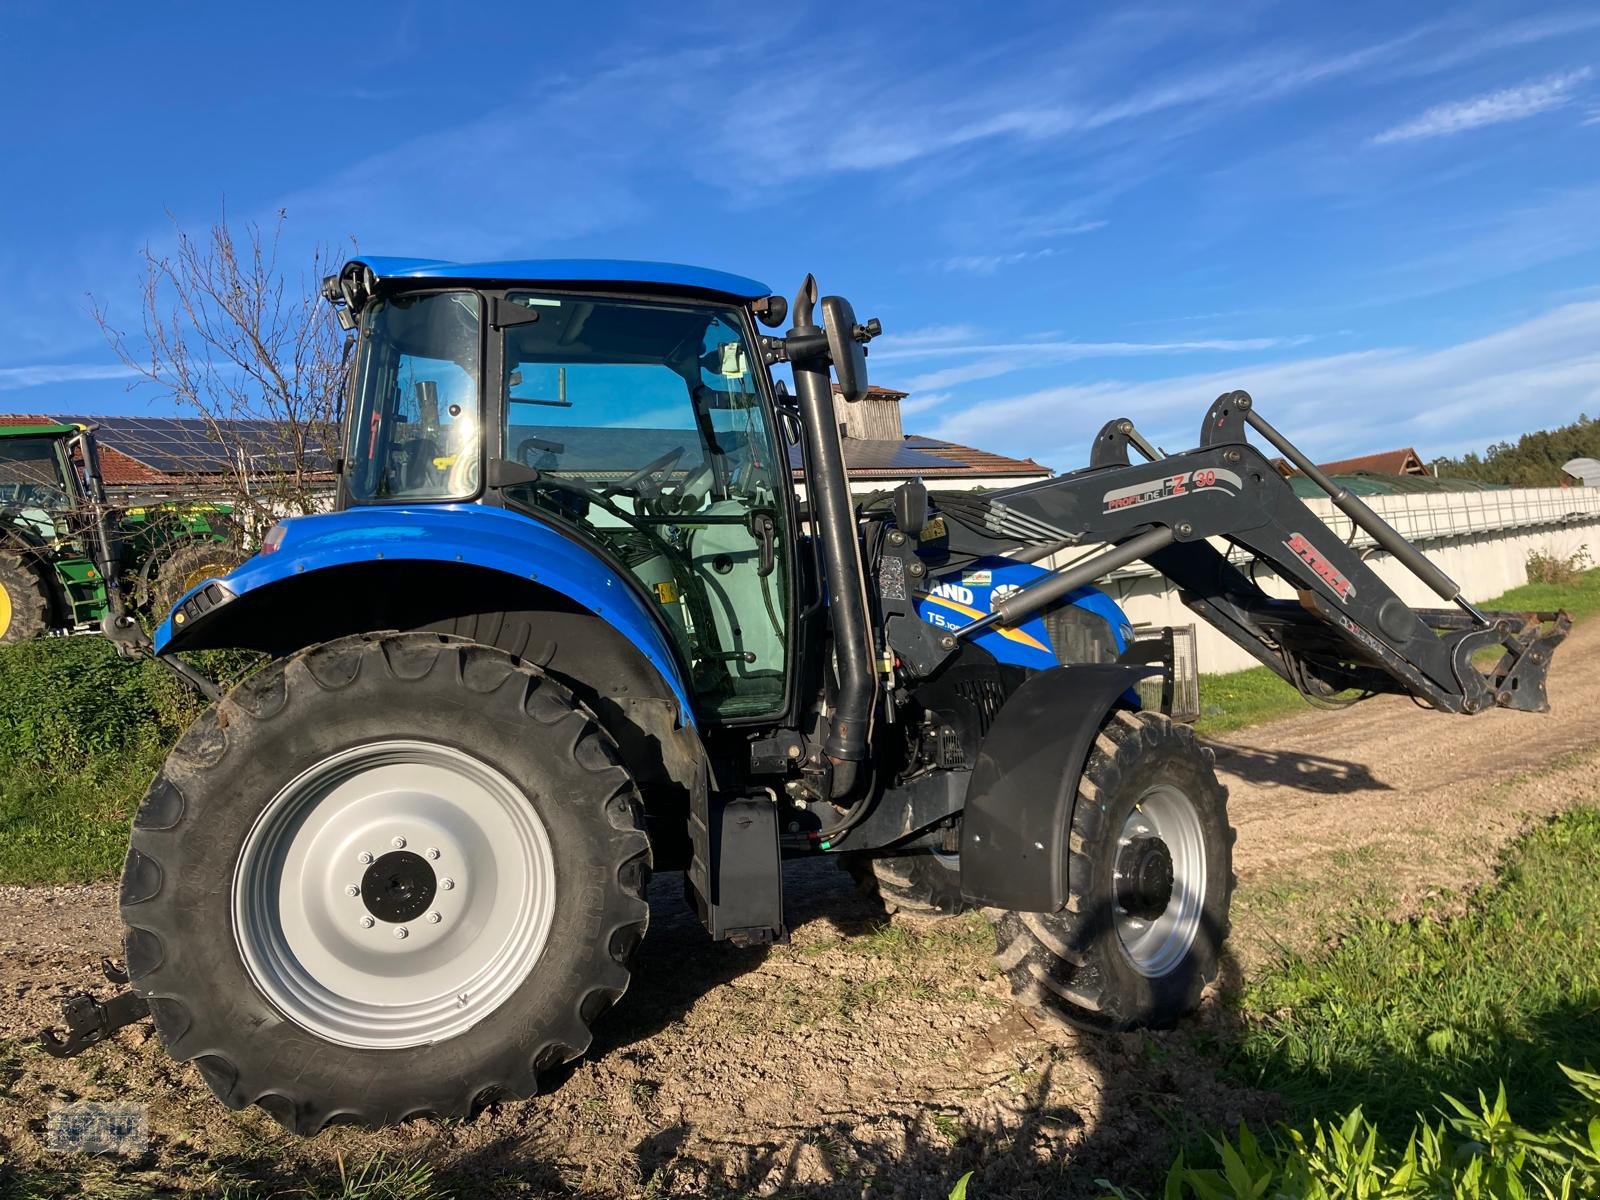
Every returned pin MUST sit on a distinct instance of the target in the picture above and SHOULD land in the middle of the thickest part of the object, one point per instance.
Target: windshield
(645, 424)
(30, 475)
(416, 432)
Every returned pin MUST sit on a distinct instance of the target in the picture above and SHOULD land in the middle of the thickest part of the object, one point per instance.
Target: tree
(252, 351)
(1533, 460)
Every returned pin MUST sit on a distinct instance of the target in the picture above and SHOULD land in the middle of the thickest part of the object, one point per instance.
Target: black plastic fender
(1024, 784)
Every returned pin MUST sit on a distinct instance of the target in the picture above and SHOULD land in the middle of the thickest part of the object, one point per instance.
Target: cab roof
(37, 429)
(654, 276)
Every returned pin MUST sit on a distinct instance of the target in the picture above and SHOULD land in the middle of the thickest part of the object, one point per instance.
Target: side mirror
(849, 355)
(910, 506)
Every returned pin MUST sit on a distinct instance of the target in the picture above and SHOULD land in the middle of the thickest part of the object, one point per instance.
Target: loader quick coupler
(89, 1021)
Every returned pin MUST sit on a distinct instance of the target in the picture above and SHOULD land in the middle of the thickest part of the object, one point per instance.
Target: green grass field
(1398, 1012)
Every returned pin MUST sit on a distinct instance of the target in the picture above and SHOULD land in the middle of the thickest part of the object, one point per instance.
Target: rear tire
(1150, 821)
(186, 567)
(285, 990)
(926, 881)
(24, 604)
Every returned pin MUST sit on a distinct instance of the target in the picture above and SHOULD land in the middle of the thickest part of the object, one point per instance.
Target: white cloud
(15, 378)
(922, 402)
(988, 264)
(1492, 108)
(1540, 373)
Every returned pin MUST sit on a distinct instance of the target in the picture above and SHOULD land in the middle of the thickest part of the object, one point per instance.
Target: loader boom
(1347, 629)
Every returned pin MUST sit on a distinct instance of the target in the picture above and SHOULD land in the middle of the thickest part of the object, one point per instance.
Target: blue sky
(1383, 220)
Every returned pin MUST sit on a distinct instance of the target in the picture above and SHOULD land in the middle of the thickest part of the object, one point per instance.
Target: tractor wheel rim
(394, 894)
(5, 610)
(1156, 943)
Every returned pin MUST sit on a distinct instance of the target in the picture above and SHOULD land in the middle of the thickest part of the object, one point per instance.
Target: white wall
(1480, 539)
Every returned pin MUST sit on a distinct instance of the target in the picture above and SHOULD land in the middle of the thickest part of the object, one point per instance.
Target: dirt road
(868, 1057)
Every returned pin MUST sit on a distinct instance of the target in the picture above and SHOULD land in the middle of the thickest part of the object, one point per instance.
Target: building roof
(929, 458)
(1404, 461)
(1364, 484)
(573, 271)
(1585, 470)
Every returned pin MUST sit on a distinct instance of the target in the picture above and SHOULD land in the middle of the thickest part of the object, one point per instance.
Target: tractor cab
(36, 483)
(634, 417)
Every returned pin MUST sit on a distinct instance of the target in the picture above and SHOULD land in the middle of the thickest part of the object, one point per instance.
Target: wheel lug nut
(366, 922)
(364, 857)
(433, 852)
(447, 883)
(434, 918)
(399, 843)
(401, 932)
(352, 890)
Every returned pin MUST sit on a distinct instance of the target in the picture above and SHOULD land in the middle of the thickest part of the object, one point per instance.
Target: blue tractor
(575, 620)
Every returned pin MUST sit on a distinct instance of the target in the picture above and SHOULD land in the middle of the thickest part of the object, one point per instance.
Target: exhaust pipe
(833, 519)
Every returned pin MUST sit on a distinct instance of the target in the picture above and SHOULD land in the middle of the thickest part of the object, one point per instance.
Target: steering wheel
(637, 481)
(527, 447)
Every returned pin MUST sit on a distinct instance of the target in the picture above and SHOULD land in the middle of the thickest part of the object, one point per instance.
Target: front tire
(926, 881)
(392, 875)
(24, 606)
(1149, 882)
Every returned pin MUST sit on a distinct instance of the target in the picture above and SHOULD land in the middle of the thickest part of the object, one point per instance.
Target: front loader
(574, 621)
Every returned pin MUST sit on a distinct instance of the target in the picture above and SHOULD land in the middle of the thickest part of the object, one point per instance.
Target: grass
(1236, 699)
(81, 734)
(379, 1178)
(1397, 1013)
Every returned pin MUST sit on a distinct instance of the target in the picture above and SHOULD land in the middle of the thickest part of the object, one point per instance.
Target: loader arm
(1346, 630)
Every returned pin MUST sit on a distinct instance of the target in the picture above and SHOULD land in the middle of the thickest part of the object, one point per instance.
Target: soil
(873, 1055)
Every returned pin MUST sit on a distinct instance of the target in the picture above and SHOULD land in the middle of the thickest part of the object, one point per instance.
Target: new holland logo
(1184, 483)
(1325, 571)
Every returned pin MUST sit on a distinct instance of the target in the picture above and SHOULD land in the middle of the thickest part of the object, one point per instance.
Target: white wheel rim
(322, 956)
(1157, 945)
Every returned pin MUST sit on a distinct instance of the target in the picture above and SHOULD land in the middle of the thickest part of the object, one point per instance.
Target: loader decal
(1301, 546)
(1169, 486)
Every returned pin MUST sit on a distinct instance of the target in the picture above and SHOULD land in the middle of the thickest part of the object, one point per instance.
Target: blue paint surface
(573, 271)
(470, 534)
(1028, 644)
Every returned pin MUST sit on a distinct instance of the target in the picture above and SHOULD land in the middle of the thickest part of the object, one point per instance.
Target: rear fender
(1019, 801)
(225, 612)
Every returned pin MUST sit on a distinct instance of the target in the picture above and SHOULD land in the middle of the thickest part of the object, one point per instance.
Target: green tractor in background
(70, 562)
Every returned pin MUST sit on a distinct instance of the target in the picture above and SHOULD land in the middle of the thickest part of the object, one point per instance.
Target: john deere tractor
(575, 620)
(70, 562)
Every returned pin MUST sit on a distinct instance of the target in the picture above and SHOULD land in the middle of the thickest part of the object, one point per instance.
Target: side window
(415, 432)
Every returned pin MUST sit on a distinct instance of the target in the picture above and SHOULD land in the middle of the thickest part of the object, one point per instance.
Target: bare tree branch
(232, 338)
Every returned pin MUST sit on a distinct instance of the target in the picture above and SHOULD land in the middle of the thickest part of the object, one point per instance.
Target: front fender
(466, 534)
(1019, 801)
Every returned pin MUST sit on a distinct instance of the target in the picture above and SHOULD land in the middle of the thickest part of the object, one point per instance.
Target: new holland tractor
(72, 562)
(574, 620)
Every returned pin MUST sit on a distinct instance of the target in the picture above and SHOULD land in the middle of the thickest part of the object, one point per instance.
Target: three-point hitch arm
(1346, 630)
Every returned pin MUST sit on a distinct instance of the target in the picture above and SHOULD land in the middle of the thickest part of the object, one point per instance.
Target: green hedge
(81, 733)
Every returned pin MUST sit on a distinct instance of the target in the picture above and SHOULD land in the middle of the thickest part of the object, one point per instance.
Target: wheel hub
(399, 886)
(1144, 877)
(1160, 884)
